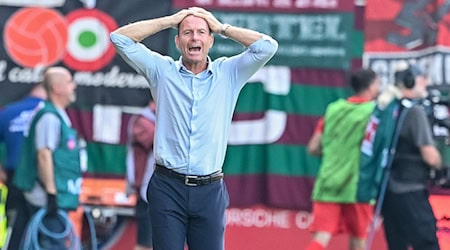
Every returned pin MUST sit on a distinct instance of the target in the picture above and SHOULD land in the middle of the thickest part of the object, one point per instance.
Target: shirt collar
(180, 65)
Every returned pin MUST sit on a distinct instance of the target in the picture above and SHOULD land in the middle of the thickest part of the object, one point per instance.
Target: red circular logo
(35, 36)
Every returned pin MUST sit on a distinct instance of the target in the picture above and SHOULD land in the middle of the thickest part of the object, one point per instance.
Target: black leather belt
(189, 180)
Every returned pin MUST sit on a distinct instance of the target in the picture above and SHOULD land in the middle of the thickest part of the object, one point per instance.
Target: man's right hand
(142, 29)
(212, 21)
(180, 15)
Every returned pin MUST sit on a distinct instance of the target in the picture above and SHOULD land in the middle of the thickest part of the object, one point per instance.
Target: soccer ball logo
(41, 37)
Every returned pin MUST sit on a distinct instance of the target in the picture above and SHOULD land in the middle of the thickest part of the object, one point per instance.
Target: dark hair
(407, 77)
(362, 79)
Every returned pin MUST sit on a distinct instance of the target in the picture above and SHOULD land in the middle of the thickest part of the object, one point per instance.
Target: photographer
(408, 216)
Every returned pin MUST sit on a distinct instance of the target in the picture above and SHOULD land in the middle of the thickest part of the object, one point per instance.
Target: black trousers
(144, 224)
(409, 221)
(16, 208)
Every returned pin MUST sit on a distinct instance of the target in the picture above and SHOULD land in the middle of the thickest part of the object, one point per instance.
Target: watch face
(225, 26)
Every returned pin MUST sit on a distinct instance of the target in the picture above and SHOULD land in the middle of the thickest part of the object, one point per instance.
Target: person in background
(337, 139)
(195, 99)
(49, 173)
(408, 217)
(14, 121)
(140, 165)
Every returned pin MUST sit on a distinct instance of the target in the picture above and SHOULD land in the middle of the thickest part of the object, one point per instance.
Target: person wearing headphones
(408, 216)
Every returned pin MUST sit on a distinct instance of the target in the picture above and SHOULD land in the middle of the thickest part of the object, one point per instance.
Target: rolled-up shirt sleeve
(242, 66)
(264, 49)
(145, 61)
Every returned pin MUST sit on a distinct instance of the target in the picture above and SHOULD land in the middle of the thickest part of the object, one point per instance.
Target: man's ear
(177, 42)
(212, 41)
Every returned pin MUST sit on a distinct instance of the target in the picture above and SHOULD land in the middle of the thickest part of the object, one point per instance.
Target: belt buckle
(190, 177)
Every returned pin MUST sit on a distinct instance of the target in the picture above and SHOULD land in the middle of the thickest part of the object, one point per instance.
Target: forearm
(242, 35)
(143, 29)
(315, 144)
(45, 167)
(431, 156)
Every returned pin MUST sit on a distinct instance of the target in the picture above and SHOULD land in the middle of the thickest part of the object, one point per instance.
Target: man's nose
(195, 35)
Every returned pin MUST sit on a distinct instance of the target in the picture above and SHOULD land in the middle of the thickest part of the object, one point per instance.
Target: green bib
(343, 133)
(66, 162)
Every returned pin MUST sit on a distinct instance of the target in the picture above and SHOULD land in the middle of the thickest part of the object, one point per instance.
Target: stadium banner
(415, 31)
(273, 6)
(266, 162)
(77, 37)
(261, 225)
(313, 40)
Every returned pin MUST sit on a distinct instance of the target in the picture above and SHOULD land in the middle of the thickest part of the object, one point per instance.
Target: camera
(436, 106)
(441, 177)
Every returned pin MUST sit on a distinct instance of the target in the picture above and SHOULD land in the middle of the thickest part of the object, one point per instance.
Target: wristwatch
(224, 28)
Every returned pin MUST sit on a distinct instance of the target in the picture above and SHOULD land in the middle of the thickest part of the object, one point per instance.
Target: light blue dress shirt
(194, 111)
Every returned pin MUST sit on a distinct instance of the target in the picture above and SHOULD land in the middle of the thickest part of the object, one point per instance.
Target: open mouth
(195, 49)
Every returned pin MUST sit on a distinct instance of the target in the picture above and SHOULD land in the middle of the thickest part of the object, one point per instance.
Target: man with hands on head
(195, 99)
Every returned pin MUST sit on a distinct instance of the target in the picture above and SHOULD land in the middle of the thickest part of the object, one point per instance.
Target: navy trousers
(180, 213)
